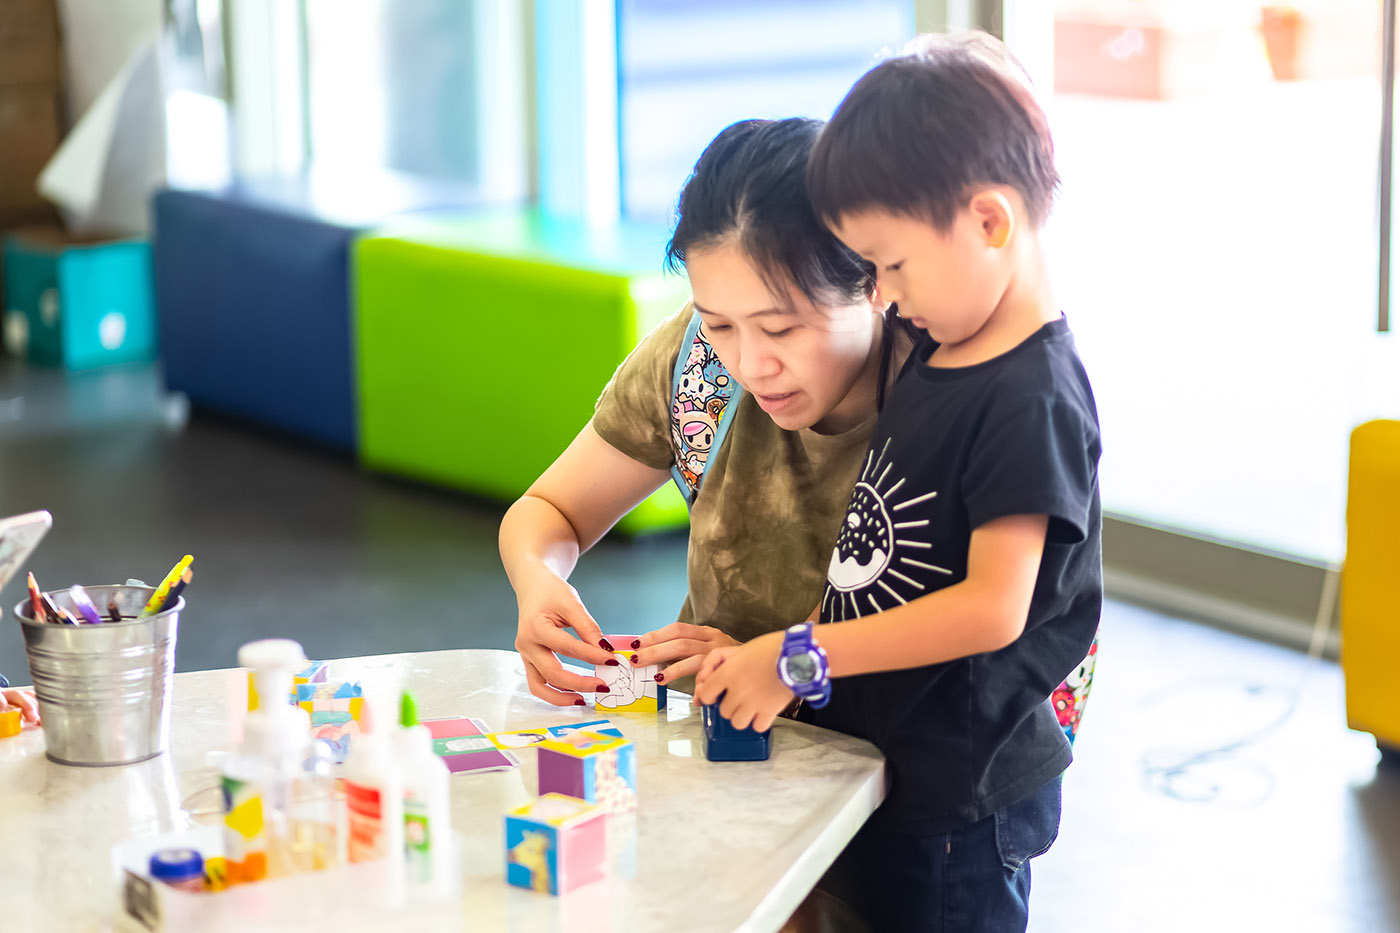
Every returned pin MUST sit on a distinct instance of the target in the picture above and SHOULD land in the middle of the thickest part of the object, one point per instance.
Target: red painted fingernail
(660, 677)
(636, 643)
(634, 659)
(605, 644)
(602, 688)
(580, 703)
(613, 662)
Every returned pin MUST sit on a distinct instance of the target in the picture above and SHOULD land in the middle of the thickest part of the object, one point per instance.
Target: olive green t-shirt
(770, 505)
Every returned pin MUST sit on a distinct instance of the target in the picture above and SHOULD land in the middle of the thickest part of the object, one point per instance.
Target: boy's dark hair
(749, 185)
(919, 131)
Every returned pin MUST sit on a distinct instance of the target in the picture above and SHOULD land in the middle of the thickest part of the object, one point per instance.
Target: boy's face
(947, 283)
(801, 362)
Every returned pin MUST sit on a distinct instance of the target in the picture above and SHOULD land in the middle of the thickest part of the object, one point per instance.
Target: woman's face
(807, 366)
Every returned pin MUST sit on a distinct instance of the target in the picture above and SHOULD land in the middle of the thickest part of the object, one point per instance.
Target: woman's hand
(562, 514)
(24, 699)
(549, 607)
(680, 647)
(746, 678)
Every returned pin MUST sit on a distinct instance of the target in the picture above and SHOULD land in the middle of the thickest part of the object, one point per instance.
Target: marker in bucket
(84, 604)
(157, 599)
(175, 590)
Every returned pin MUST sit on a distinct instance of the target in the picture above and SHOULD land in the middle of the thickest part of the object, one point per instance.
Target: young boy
(967, 581)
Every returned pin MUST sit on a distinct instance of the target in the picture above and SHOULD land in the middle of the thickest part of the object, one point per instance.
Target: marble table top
(719, 846)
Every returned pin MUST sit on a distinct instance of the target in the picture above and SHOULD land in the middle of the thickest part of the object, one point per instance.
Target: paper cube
(725, 743)
(555, 844)
(336, 710)
(600, 769)
(317, 672)
(630, 688)
(335, 706)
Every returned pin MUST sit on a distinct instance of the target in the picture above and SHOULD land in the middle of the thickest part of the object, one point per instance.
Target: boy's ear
(995, 217)
(878, 302)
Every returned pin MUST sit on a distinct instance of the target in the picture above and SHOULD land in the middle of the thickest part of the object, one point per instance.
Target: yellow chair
(1371, 585)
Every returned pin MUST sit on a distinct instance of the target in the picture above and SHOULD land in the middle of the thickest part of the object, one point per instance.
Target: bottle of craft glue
(258, 780)
(374, 792)
(427, 816)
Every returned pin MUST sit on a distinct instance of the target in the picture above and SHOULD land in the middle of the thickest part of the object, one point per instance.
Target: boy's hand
(747, 677)
(24, 699)
(681, 647)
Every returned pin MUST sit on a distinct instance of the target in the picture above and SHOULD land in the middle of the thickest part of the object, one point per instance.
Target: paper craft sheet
(524, 738)
(465, 747)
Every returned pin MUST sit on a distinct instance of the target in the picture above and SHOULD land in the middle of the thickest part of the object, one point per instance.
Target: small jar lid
(177, 865)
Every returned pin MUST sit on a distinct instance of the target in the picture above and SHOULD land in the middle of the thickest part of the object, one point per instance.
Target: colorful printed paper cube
(335, 706)
(316, 672)
(725, 743)
(335, 710)
(555, 844)
(600, 769)
(630, 688)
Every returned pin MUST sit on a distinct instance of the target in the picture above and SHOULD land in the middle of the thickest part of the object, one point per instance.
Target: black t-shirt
(953, 450)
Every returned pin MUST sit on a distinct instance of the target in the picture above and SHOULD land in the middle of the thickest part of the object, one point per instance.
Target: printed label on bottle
(366, 823)
(244, 845)
(417, 839)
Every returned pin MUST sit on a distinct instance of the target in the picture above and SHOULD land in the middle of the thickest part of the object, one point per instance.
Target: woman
(793, 317)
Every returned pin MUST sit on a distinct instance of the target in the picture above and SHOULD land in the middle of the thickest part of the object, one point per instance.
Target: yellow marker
(158, 597)
(10, 722)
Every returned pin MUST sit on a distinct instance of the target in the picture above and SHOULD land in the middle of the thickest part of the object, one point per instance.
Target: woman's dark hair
(920, 130)
(749, 187)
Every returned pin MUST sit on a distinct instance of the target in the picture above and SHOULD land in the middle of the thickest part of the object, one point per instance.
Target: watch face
(801, 668)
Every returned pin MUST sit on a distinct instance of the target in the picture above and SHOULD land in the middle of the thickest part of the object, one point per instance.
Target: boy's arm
(984, 612)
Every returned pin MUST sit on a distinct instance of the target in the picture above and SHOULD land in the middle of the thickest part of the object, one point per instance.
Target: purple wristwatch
(802, 666)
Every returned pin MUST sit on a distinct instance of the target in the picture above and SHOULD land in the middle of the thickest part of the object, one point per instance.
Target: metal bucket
(103, 690)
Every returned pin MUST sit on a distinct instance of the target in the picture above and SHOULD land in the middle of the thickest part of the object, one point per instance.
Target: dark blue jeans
(975, 878)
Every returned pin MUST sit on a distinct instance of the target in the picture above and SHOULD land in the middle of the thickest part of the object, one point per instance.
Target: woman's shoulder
(672, 329)
(634, 409)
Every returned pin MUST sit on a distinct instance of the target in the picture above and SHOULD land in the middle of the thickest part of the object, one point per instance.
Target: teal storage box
(482, 344)
(78, 304)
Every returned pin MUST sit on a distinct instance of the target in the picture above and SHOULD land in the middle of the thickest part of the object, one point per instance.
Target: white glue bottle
(259, 779)
(374, 790)
(427, 808)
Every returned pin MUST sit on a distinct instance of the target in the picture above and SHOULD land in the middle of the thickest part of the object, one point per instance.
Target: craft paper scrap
(463, 745)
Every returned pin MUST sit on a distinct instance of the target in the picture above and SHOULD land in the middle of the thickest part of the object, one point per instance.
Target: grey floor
(1292, 828)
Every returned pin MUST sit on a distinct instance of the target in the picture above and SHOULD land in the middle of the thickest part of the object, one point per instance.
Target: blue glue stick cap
(172, 865)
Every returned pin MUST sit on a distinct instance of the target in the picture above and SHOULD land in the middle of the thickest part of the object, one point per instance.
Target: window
(687, 70)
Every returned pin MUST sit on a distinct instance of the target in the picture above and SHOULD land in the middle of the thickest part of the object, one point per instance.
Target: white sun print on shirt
(873, 544)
